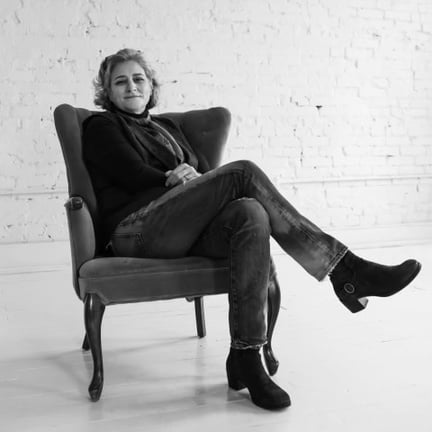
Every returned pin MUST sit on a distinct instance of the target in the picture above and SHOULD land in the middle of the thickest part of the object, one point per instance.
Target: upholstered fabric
(126, 280)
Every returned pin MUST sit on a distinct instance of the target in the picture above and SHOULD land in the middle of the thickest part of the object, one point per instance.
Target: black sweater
(127, 165)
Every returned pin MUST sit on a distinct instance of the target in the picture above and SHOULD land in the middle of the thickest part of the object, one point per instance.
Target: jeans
(230, 211)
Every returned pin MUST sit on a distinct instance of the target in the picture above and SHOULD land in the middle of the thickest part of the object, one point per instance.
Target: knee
(243, 166)
(249, 212)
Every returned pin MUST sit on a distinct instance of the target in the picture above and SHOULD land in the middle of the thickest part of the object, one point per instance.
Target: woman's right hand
(180, 175)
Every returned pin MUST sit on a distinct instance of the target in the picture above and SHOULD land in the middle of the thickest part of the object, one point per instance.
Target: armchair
(100, 280)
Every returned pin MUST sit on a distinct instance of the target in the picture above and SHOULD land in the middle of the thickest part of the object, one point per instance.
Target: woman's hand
(180, 175)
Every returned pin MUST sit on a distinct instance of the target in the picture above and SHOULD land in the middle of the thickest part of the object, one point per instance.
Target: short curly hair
(103, 80)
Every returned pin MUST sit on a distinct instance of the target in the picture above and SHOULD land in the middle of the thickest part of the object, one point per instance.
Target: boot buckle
(349, 288)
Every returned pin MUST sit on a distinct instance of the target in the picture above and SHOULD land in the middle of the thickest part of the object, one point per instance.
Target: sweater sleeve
(107, 150)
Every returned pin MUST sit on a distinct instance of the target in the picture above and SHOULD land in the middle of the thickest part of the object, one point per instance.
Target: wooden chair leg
(199, 316)
(274, 300)
(93, 313)
(85, 344)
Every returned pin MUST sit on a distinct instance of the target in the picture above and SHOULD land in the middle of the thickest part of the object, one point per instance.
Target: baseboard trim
(34, 257)
(54, 256)
(385, 236)
(379, 236)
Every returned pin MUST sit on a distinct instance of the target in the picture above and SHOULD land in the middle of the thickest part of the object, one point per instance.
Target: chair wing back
(206, 131)
(68, 121)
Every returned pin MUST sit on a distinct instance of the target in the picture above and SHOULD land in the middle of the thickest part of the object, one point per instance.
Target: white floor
(365, 372)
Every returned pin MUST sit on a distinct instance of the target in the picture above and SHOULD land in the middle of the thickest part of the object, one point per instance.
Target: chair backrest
(206, 130)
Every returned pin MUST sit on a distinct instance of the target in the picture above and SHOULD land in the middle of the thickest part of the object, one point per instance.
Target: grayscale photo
(216, 214)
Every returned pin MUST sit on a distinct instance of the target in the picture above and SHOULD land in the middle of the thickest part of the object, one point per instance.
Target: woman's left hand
(180, 175)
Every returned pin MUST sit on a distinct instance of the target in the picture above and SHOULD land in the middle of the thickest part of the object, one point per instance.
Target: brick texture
(331, 97)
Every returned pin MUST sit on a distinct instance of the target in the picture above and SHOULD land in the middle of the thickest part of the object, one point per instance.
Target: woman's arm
(107, 149)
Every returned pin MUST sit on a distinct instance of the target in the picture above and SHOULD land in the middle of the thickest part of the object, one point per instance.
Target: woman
(158, 198)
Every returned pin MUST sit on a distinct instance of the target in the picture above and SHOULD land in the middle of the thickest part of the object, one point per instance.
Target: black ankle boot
(245, 369)
(354, 279)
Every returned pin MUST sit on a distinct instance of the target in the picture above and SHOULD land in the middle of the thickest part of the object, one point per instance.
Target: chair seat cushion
(126, 280)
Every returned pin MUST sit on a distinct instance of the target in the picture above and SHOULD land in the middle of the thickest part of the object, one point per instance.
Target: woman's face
(130, 89)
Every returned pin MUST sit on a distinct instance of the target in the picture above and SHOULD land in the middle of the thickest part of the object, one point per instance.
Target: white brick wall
(331, 97)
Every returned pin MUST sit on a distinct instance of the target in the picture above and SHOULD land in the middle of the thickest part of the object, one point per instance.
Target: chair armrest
(81, 234)
(74, 203)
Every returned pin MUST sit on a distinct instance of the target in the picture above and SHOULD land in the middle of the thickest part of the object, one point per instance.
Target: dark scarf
(153, 137)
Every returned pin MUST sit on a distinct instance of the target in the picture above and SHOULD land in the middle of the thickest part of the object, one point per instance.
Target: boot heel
(355, 304)
(245, 370)
(233, 380)
(235, 383)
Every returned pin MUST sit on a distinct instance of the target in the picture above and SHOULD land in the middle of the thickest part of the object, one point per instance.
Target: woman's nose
(131, 87)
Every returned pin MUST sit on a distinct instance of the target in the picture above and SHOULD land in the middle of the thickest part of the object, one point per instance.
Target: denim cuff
(243, 345)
